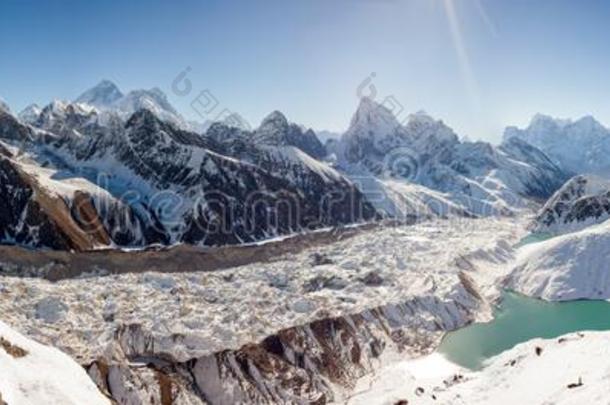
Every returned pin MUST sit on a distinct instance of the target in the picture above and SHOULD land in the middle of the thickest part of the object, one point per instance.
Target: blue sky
(477, 64)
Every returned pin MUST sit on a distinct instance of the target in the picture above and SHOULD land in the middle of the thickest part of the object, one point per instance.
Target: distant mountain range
(580, 146)
(125, 170)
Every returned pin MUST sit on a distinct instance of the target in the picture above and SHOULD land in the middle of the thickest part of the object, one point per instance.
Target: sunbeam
(491, 26)
(463, 58)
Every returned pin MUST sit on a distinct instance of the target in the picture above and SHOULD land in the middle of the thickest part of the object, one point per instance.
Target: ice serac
(103, 95)
(583, 201)
(579, 147)
(477, 177)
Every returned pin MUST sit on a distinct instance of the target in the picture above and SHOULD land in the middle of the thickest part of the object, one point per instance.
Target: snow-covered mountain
(103, 95)
(145, 181)
(478, 177)
(30, 114)
(580, 146)
(106, 96)
(583, 201)
(252, 184)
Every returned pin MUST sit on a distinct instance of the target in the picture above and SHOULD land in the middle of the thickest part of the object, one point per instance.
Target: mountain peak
(543, 121)
(30, 113)
(101, 95)
(372, 118)
(275, 119)
(4, 106)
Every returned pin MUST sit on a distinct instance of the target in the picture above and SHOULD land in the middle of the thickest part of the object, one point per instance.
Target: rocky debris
(373, 279)
(324, 281)
(318, 259)
(303, 306)
(576, 385)
(13, 350)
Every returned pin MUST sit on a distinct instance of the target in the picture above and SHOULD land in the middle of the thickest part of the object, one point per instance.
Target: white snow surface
(567, 267)
(44, 375)
(517, 376)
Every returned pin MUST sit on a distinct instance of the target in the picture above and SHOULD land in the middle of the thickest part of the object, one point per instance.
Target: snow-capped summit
(4, 106)
(375, 131)
(376, 118)
(102, 95)
(30, 114)
(62, 117)
(580, 146)
(272, 127)
(581, 202)
(153, 100)
(108, 98)
(372, 132)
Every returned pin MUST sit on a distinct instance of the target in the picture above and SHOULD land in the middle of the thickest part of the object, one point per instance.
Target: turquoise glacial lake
(518, 319)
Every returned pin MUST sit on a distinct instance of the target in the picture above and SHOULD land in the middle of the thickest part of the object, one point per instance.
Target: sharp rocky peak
(376, 117)
(274, 121)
